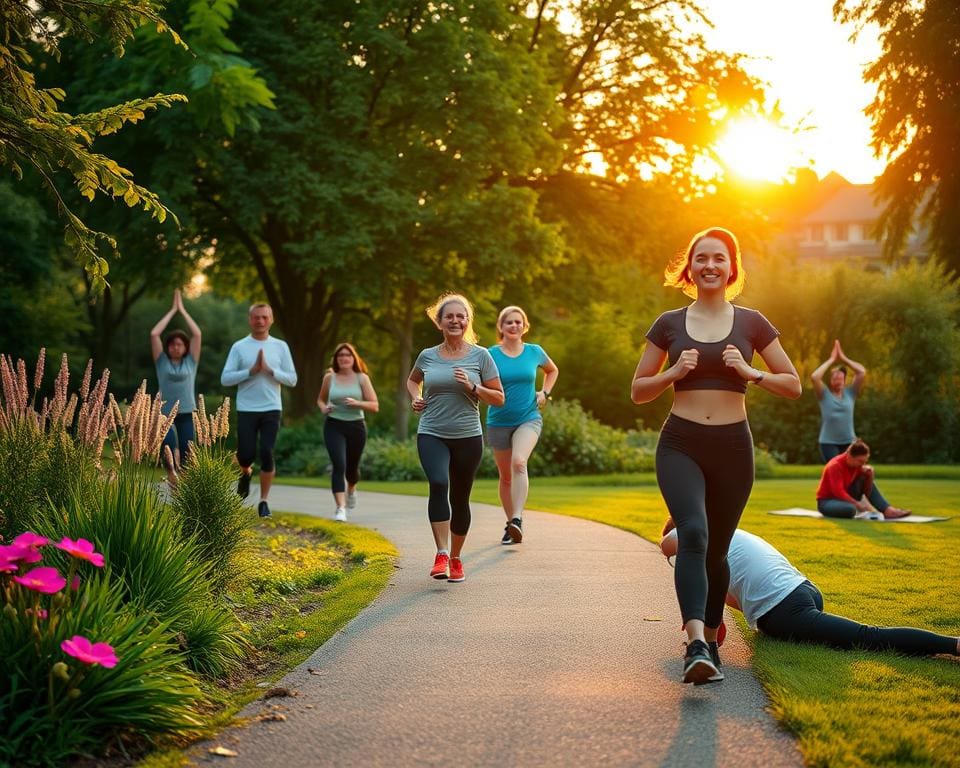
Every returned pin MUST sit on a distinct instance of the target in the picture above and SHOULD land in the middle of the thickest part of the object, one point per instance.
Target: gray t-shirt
(836, 416)
(452, 412)
(177, 382)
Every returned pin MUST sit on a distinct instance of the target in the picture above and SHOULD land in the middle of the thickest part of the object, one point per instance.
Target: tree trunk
(404, 335)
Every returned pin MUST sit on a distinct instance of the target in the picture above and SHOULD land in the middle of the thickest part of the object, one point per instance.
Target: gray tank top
(338, 395)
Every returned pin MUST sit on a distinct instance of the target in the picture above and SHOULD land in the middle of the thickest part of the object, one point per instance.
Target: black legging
(705, 474)
(800, 617)
(450, 466)
(249, 423)
(344, 441)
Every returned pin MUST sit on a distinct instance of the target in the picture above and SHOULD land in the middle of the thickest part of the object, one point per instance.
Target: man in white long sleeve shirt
(257, 365)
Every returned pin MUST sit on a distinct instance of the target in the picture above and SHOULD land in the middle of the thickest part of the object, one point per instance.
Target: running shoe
(340, 515)
(440, 565)
(243, 484)
(515, 529)
(715, 658)
(263, 509)
(698, 667)
(507, 538)
(456, 569)
(352, 499)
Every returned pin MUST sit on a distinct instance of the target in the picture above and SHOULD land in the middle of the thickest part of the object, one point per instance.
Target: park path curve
(561, 651)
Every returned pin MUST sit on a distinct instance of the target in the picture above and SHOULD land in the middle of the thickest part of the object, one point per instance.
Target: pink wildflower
(9, 559)
(75, 584)
(42, 613)
(82, 550)
(31, 539)
(45, 580)
(90, 653)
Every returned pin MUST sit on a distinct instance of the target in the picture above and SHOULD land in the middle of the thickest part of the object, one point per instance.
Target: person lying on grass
(782, 603)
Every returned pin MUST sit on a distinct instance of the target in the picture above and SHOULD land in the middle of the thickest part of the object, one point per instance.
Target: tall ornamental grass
(206, 505)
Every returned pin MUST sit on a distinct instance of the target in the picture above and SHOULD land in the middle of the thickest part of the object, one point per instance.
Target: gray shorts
(501, 438)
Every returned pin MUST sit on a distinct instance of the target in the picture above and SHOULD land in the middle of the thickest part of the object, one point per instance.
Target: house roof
(852, 202)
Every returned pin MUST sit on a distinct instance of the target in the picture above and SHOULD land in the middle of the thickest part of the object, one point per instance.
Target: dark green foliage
(161, 571)
(148, 693)
(37, 468)
(916, 117)
(212, 515)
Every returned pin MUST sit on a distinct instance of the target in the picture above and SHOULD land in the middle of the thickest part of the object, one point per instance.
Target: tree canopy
(916, 117)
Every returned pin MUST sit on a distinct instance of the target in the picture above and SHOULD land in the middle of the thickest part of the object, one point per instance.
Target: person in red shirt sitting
(846, 486)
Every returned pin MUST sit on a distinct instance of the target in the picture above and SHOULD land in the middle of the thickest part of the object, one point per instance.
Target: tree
(916, 117)
(224, 92)
(35, 134)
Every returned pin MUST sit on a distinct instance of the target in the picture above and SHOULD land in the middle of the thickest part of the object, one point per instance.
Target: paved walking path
(561, 651)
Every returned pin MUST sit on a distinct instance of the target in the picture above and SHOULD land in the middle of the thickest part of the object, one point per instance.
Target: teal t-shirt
(519, 378)
(338, 395)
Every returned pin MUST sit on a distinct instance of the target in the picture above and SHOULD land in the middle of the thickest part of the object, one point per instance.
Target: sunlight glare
(759, 150)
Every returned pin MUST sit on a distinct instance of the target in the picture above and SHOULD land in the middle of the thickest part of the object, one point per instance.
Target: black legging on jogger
(451, 466)
(800, 617)
(344, 441)
(705, 474)
(249, 423)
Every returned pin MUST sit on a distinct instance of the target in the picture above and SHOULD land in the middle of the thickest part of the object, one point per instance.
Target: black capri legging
(800, 617)
(251, 423)
(450, 465)
(705, 474)
(344, 441)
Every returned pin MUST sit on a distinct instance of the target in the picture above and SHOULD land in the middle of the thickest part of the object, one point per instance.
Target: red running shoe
(456, 569)
(439, 570)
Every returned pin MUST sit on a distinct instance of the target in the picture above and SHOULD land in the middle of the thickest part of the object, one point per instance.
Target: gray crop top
(751, 331)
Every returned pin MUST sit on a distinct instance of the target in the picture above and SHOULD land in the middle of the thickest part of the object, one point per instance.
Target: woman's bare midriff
(710, 406)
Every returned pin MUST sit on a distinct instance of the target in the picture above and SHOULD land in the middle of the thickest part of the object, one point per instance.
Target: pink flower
(90, 653)
(45, 580)
(18, 552)
(75, 583)
(31, 539)
(10, 557)
(42, 613)
(82, 550)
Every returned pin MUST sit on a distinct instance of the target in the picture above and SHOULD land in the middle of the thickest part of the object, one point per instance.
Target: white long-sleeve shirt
(260, 392)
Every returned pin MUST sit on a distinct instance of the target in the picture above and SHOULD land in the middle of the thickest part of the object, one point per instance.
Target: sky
(815, 72)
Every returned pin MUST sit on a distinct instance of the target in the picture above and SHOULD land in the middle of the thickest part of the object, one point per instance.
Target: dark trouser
(344, 441)
(705, 473)
(841, 508)
(451, 466)
(800, 617)
(829, 450)
(179, 437)
(249, 425)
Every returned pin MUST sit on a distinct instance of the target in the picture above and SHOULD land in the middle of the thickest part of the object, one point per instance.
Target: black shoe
(243, 485)
(263, 510)
(515, 530)
(507, 538)
(698, 666)
(715, 658)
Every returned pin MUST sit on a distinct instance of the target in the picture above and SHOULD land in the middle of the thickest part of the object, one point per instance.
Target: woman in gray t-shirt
(176, 359)
(446, 386)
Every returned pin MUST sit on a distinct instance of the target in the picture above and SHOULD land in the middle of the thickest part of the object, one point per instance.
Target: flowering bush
(76, 667)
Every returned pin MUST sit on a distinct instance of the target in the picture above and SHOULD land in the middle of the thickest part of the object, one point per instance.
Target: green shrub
(212, 514)
(53, 706)
(158, 569)
(300, 449)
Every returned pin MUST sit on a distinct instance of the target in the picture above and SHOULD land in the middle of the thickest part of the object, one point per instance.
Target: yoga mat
(800, 512)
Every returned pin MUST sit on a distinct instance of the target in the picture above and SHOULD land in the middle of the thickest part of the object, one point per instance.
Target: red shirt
(837, 477)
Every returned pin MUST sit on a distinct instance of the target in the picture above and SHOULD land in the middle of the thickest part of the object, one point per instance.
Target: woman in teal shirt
(514, 428)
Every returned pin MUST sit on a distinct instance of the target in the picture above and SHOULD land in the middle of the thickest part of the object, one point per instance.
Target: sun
(759, 150)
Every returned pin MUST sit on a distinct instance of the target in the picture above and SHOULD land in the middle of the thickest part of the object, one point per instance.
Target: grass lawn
(308, 577)
(846, 708)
